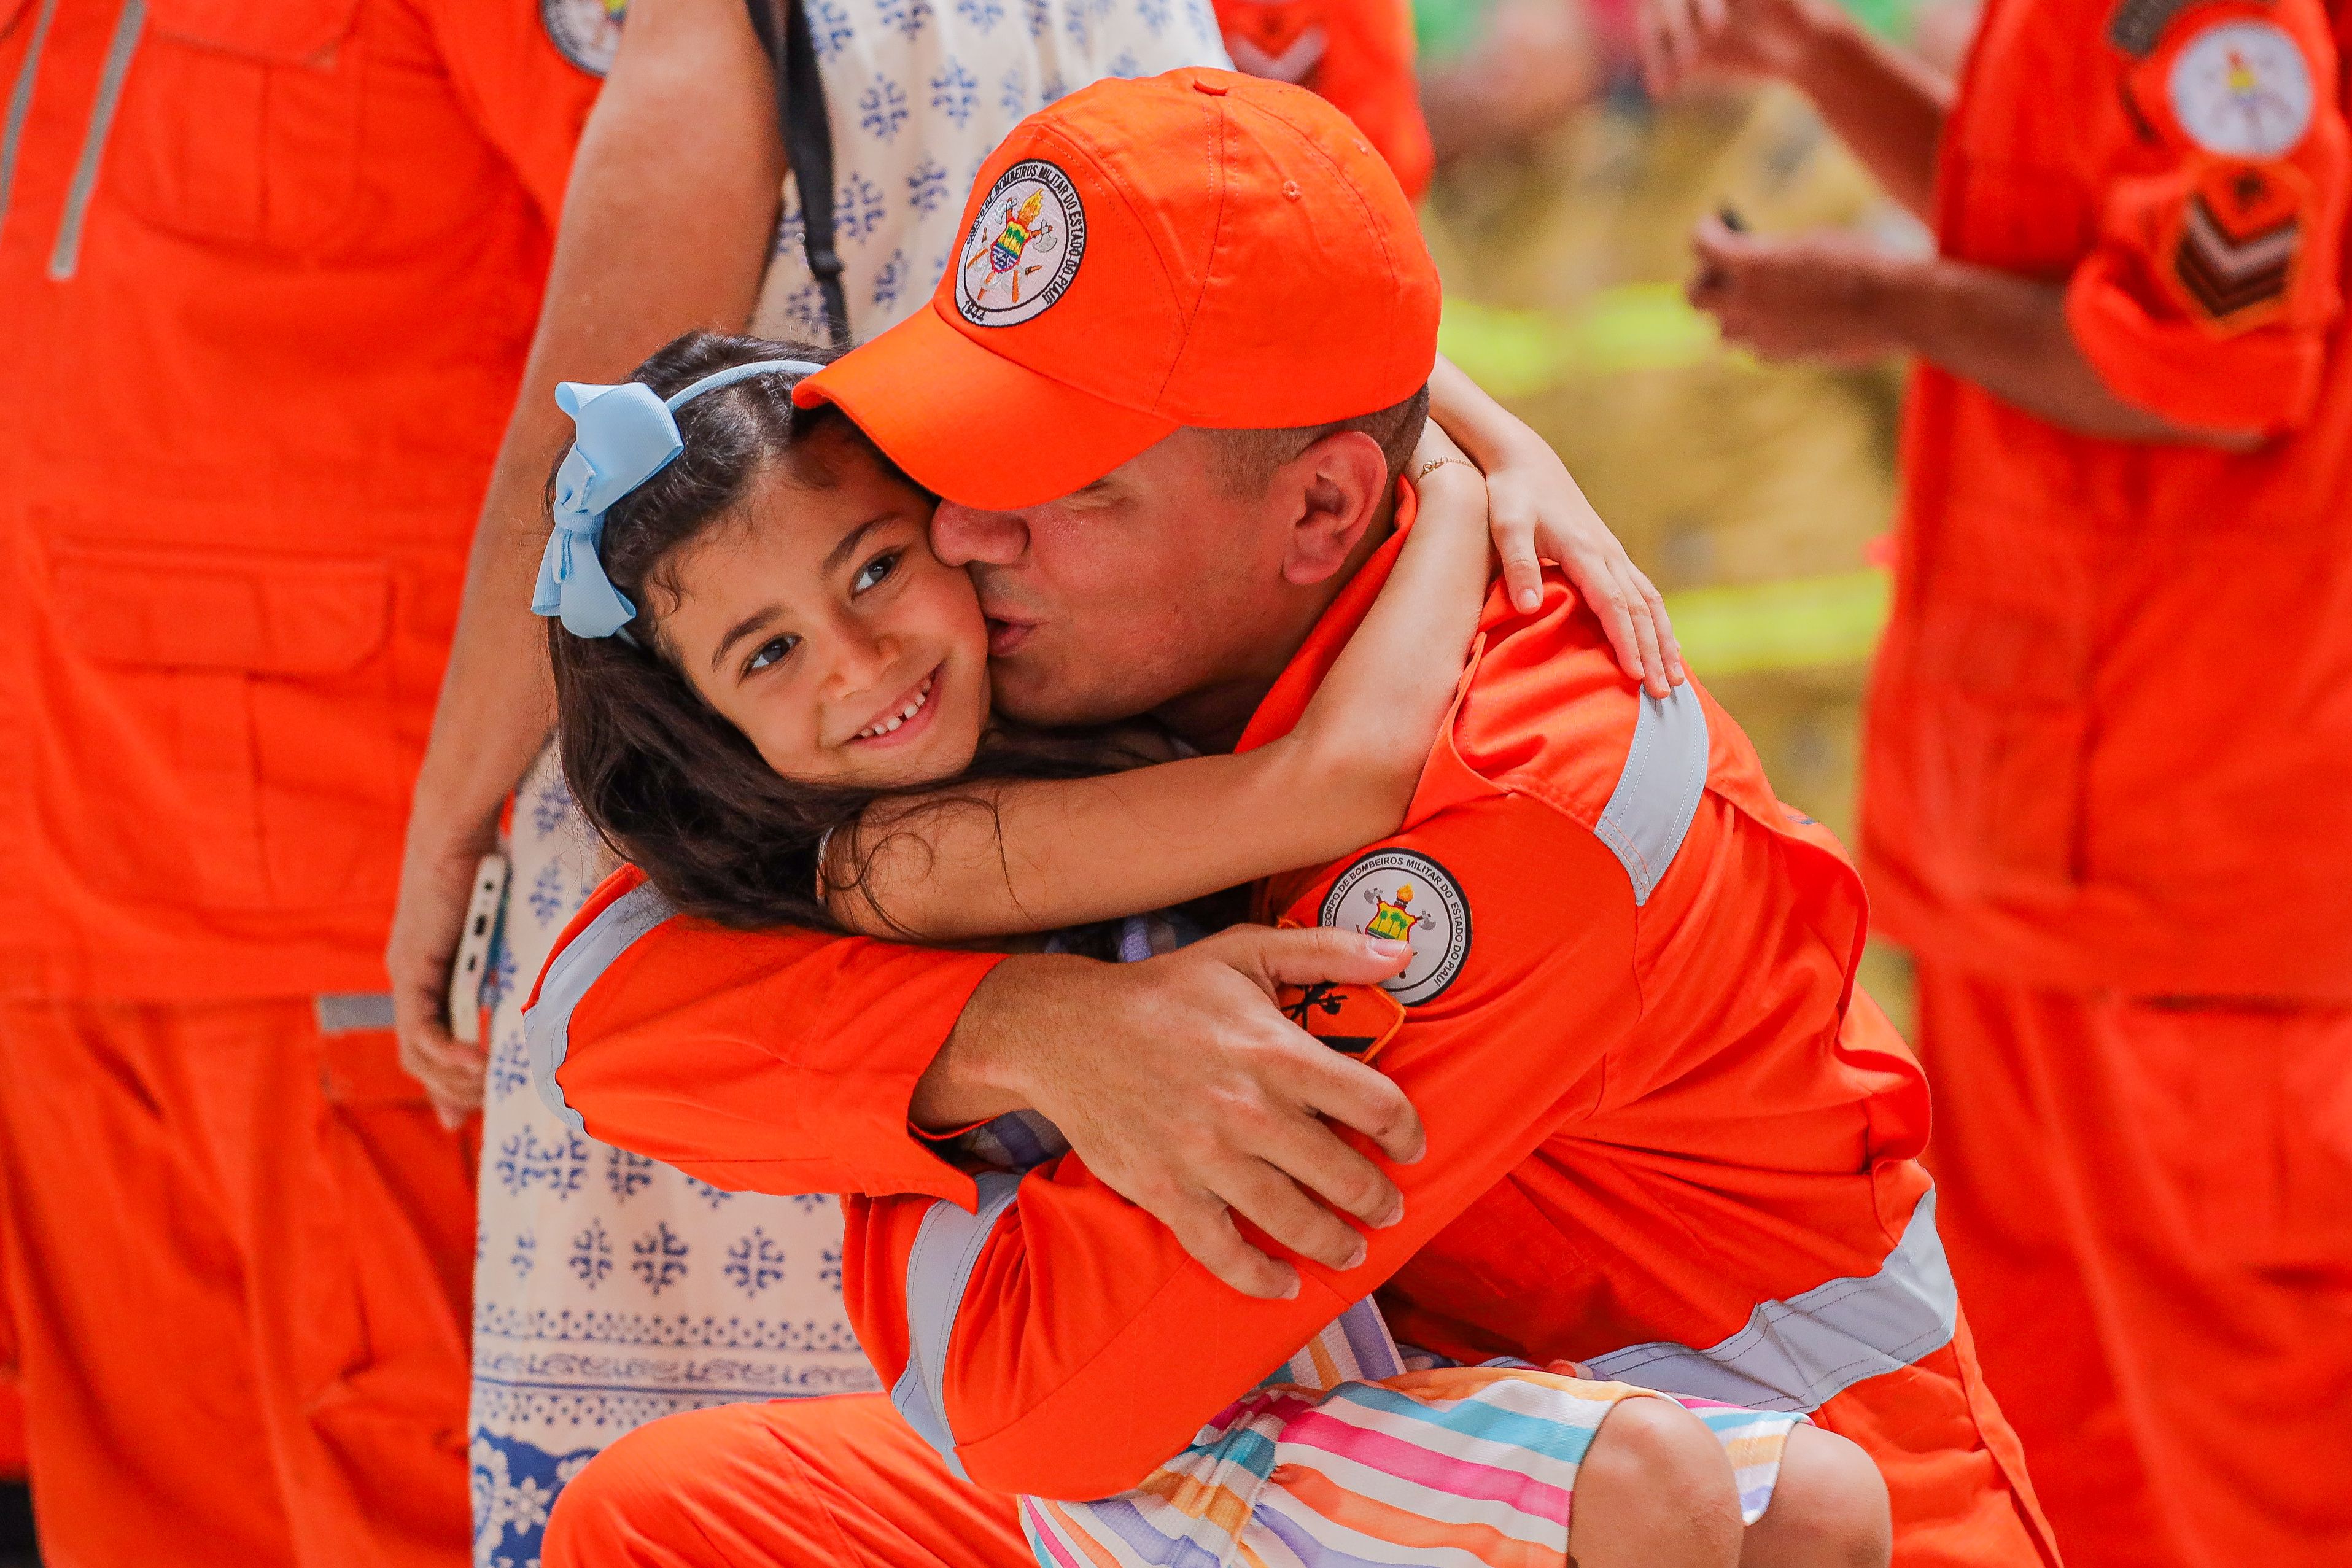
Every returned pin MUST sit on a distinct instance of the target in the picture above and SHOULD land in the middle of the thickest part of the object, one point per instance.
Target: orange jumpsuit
(2110, 721)
(269, 272)
(1665, 1138)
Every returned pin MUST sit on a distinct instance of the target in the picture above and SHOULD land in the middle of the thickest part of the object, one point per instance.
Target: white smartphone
(473, 965)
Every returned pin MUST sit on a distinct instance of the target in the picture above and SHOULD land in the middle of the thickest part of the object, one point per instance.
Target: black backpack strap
(808, 145)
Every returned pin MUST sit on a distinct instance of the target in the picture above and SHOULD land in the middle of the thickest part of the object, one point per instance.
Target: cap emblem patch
(1024, 248)
(1407, 897)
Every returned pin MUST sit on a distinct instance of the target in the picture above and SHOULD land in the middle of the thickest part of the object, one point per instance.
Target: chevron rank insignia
(2233, 254)
(1356, 1020)
(1293, 63)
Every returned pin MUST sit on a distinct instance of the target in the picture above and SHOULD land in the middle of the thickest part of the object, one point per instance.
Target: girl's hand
(1537, 513)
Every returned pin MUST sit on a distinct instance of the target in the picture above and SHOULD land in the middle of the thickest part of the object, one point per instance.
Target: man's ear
(1337, 488)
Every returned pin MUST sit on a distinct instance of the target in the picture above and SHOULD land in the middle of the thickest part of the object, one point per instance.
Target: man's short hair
(1251, 456)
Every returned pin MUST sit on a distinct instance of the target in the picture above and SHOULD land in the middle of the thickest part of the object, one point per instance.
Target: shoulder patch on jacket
(2239, 88)
(1408, 898)
(584, 32)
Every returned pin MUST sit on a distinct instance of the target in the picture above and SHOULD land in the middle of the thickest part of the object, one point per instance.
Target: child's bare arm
(1539, 514)
(1035, 854)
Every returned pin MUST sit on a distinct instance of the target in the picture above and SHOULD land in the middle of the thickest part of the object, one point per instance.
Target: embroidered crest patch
(2234, 251)
(584, 32)
(1024, 248)
(2241, 89)
(1408, 898)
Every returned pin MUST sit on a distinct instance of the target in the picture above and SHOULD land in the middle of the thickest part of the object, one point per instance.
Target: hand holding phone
(473, 964)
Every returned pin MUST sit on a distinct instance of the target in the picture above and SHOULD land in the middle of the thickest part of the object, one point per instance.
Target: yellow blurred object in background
(1750, 493)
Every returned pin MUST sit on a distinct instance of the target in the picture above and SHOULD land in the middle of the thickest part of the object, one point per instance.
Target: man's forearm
(1888, 106)
(971, 1080)
(2009, 335)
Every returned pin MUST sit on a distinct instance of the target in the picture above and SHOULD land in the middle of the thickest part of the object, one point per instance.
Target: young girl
(790, 723)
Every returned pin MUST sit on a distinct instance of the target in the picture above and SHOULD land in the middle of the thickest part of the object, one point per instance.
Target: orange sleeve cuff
(2266, 379)
(527, 96)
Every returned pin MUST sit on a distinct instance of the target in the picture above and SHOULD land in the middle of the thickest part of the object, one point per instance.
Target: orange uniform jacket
(269, 273)
(2116, 697)
(1664, 1133)
(1359, 54)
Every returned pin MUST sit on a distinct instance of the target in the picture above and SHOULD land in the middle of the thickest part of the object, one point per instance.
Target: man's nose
(963, 534)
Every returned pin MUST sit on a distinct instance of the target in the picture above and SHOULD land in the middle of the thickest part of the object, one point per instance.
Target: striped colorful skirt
(1320, 1467)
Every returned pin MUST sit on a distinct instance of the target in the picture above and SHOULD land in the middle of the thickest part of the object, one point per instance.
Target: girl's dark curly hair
(670, 784)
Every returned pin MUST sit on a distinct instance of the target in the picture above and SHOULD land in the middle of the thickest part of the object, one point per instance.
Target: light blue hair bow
(623, 436)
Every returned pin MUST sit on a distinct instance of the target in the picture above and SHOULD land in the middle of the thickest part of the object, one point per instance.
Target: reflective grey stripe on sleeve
(347, 1011)
(1801, 1354)
(547, 1028)
(66, 253)
(938, 1271)
(1657, 795)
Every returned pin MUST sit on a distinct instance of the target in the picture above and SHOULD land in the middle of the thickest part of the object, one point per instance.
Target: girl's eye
(770, 652)
(876, 571)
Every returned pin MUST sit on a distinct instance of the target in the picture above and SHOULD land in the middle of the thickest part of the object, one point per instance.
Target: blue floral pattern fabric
(918, 93)
(609, 1288)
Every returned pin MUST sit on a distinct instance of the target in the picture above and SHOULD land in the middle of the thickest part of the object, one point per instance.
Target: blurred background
(1758, 498)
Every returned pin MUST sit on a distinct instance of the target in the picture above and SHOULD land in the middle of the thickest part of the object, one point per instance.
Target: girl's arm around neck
(1035, 855)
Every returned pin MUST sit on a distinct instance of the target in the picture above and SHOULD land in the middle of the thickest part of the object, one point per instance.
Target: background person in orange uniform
(1356, 53)
(269, 273)
(1656, 1115)
(2089, 801)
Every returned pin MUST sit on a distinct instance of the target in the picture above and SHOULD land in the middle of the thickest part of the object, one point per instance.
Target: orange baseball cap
(1194, 249)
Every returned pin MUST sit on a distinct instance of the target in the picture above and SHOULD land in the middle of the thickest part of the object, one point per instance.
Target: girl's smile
(819, 623)
(901, 723)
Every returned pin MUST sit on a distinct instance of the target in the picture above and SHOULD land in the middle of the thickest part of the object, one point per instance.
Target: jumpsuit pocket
(229, 726)
(2005, 647)
(381, 1248)
(241, 121)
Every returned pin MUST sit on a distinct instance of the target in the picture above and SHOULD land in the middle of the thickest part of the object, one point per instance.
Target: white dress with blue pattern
(918, 92)
(609, 1288)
